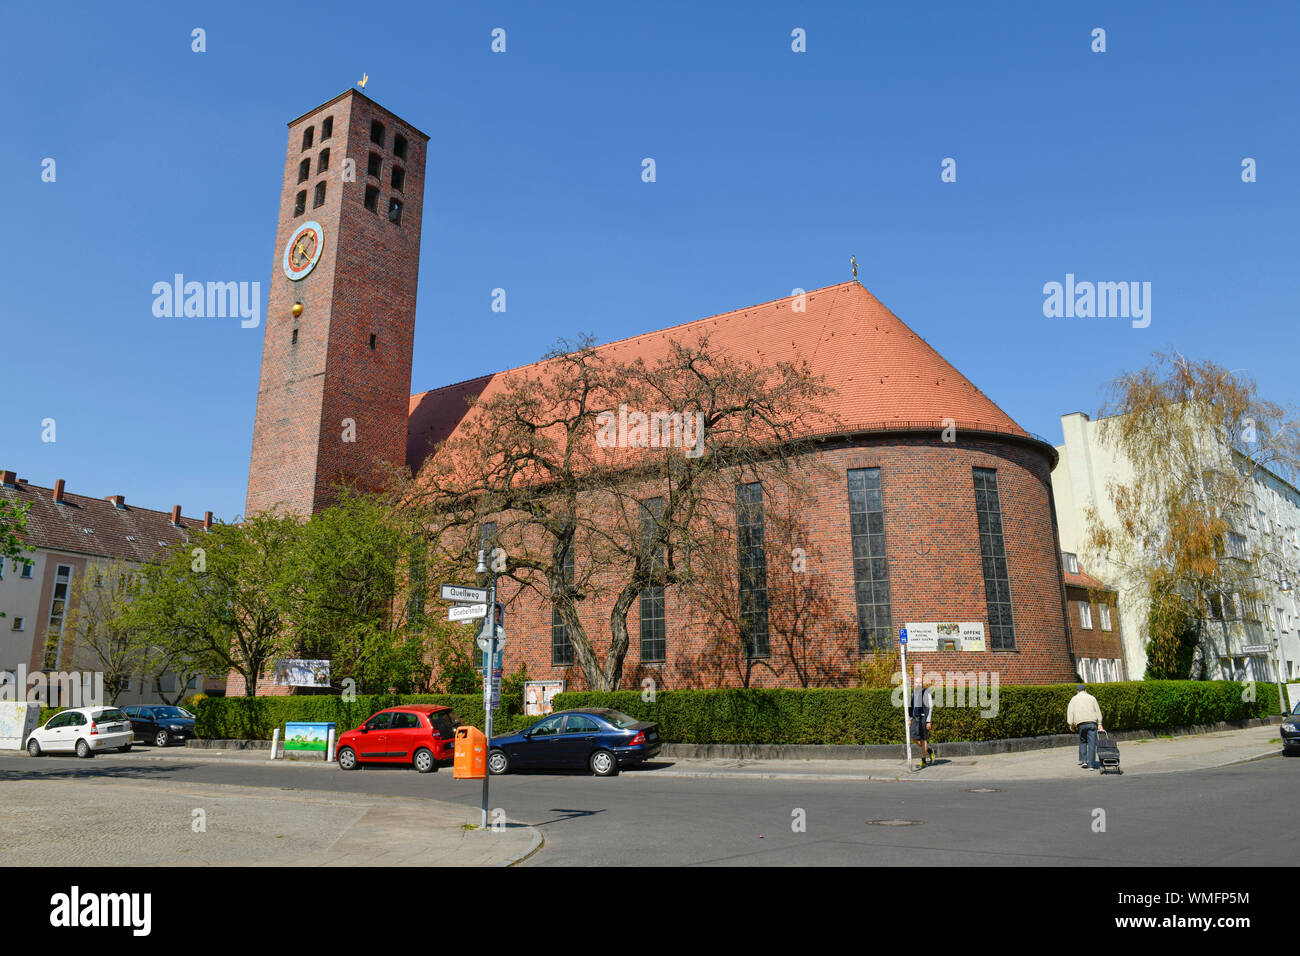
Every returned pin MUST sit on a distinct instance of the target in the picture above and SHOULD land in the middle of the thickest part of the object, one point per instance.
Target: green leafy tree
(220, 600)
(99, 628)
(13, 526)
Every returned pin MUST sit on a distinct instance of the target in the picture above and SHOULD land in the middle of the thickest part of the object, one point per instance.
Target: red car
(423, 735)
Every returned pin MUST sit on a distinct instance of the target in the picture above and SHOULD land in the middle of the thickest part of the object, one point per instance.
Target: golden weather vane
(853, 261)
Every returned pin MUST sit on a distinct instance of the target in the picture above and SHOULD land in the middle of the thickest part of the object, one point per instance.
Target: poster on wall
(301, 673)
(539, 696)
(945, 636)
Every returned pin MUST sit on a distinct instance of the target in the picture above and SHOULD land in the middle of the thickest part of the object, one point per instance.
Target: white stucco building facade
(1246, 643)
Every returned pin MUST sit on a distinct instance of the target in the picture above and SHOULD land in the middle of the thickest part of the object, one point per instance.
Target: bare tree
(603, 475)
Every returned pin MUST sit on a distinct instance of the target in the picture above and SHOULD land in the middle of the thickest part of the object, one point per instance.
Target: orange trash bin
(470, 761)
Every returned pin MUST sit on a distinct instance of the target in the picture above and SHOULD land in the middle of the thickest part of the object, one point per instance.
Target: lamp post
(489, 661)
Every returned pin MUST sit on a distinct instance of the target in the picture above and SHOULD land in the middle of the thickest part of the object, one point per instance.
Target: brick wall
(935, 569)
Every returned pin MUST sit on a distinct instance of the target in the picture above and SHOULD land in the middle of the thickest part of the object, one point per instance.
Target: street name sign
(466, 612)
(454, 592)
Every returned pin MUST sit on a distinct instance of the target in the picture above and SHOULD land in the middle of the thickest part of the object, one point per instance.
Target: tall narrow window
(300, 203)
(377, 132)
(395, 210)
(304, 169)
(997, 585)
(399, 178)
(320, 194)
(58, 609)
(372, 198)
(561, 641)
(753, 569)
(653, 635)
(323, 161)
(307, 135)
(399, 146)
(870, 562)
(1085, 615)
(327, 128)
(374, 165)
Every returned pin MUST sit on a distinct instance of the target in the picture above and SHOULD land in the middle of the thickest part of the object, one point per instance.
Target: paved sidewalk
(1160, 755)
(51, 822)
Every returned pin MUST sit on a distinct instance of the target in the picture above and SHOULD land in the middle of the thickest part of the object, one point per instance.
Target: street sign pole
(907, 695)
(488, 664)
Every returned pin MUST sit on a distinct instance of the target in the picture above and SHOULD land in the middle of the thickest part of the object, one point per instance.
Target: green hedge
(255, 718)
(834, 716)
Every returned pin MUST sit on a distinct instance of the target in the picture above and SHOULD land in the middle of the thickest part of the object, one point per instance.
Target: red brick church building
(940, 508)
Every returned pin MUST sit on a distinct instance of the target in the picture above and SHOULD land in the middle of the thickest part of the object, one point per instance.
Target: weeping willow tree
(1194, 436)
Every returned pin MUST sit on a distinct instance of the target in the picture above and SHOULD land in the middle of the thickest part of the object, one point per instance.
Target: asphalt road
(1233, 816)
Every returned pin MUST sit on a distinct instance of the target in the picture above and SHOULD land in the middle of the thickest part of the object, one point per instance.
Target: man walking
(1084, 715)
(922, 707)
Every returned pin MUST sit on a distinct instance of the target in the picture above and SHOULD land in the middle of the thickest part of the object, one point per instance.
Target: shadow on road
(86, 770)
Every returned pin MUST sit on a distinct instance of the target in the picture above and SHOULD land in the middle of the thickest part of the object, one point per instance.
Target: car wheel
(160, 739)
(603, 764)
(498, 762)
(424, 761)
(83, 749)
(33, 748)
(347, 759)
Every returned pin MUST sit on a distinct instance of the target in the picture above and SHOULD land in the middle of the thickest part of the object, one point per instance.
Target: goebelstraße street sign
(454, 592)
(466, 612)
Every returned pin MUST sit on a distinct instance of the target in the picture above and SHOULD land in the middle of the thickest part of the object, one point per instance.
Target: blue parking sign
(902, 635)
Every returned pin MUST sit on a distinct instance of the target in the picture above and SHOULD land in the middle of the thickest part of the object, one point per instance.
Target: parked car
(422, 735)
(598, 739)
(1291, 731)
(85, 731)
(161, 724)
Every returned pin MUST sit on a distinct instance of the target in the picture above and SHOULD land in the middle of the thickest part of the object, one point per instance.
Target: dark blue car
(598, 739)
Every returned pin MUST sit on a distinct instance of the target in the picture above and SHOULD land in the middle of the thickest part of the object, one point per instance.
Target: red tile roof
(884, 374)
(1082, 579)
(63, 526)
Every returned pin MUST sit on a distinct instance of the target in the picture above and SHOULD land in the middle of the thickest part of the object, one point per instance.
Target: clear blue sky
(773, 167)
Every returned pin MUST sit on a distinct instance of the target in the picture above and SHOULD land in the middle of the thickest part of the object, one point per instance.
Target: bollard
(275, 742)
(329, 747)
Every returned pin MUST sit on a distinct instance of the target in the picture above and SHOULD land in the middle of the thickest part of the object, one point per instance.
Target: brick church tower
(333, 398)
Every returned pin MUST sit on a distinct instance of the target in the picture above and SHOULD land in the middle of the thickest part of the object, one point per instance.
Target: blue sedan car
(598, 739)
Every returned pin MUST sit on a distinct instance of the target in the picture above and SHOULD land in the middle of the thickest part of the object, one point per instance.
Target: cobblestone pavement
(112, 822)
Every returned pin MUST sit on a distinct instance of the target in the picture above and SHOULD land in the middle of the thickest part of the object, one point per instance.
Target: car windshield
(109, 716)
(170, 713)
(619, 719)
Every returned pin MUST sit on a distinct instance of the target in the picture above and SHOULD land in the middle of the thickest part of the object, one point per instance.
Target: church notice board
(945, 636)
